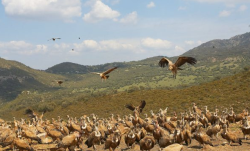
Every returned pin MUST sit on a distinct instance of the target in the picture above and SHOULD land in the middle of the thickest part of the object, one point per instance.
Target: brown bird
(230, 136)
(147, 143)
(31, 113)
(113, 142)
(202, 137)
(104, 75)
(245, 128)
(173, 67)
(138, 108)
(22, 144)
(130, 138)
(54, 39)
(59, 82)
(69, 140)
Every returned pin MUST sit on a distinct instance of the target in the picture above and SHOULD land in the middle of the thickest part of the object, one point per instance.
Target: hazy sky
(113, 30)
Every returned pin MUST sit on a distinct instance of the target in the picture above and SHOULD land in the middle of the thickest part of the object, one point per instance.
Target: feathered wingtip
(28, 111)
(192, 60)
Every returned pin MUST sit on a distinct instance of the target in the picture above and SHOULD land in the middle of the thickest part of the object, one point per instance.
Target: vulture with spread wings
(30, 113)
(104, 75)
(173, 67)
(138, 108)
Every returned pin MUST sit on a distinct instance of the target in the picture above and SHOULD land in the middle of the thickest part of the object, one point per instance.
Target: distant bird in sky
(173, 67)
(54, 39)
(79, 38)
(104, 75)
(72, 49)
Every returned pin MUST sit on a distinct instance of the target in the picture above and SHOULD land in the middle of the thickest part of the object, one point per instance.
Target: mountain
(73, 68)
(16, 78)
(216, 59)
(229, 91)
(236, 47)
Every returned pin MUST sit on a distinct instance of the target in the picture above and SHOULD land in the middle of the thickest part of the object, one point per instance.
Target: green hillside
(216, 59)
(15, 78)
(232, 90)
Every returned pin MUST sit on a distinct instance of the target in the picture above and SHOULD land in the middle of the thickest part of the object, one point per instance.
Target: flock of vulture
(173, 67)
(167, 132)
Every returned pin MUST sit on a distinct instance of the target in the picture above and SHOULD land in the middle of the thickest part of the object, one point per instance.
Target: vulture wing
(30, 113)
(183, 60)
(109, 70)
(142, 105)
(164, 62)
(130, 106)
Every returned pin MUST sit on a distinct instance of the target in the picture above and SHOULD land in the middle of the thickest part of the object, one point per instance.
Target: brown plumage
(245, 128)
(104, 75)
(201, 137)
(30, 113)
(147, 143)
(31, 135)
(113, 142)
(69, 140)
(173, 67)
(94, 138)
(138, 108)
(130, 138)
(22, 145)
(214, 130)
(59, 82)
(230, 136)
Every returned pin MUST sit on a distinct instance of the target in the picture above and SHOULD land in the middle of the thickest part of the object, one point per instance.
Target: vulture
(54, 39)
(104, 75)
(173, 67)
(138, 108)
(31, 113)
(59, 82)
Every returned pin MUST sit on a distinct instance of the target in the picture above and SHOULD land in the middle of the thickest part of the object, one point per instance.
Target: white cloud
(22, 47)
(224, 13)
(43, 9)
(156, 43)
(222, 1)
(179, 49)
(100, 11)
(182, 8)
(130, 18)
(243, 8)
(151, 4)
(189, 42)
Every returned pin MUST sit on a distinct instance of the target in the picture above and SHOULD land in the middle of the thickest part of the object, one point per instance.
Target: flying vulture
(104, 75)
(138, 108)
(173, 67)
(54, 39)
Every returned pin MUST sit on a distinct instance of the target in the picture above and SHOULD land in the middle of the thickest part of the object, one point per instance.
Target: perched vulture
(104, 75)
(173, 67)
(138, 108)
(54, 39)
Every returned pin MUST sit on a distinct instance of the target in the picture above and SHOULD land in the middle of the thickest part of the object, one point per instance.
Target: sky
(95, 32)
